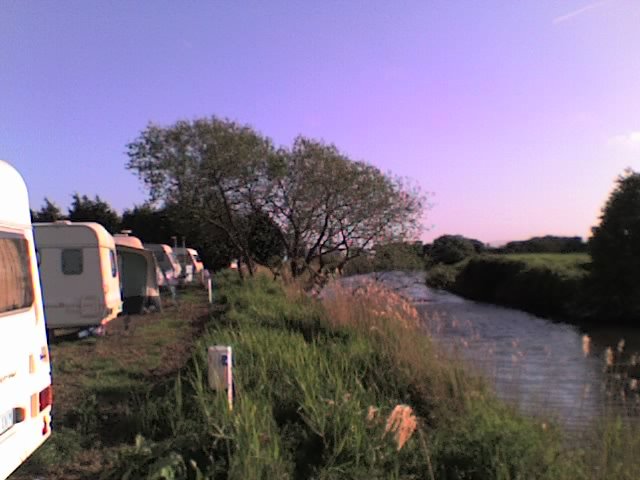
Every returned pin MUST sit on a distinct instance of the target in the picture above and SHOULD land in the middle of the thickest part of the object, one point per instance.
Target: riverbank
(548, 285)
(347, 388)
(344, 389)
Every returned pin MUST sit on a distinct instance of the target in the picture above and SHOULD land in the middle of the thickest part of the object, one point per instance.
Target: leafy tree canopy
(546, 244)
(49, 212)
(615, 248)
(84, 209)
(449, 249)
(316, 199)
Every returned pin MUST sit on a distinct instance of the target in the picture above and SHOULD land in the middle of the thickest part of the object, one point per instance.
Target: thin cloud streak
(628, 140)
(575, 13)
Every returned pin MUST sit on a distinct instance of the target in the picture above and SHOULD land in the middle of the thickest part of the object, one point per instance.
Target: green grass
(562, 261)
(305, 384)
(443, 276)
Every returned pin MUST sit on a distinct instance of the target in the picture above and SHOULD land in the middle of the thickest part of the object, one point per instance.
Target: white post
(220, 370)
(210, 290)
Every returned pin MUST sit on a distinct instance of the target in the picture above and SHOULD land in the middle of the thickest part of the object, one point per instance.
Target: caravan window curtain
(16, 285)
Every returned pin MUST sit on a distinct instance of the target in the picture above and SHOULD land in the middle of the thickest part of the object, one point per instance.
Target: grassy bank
(545, 284)
(347, 388)
(316, 392)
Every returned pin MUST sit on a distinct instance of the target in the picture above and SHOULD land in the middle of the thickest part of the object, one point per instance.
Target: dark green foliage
(84, 209)
(397, 256)
(388, 257)
(159, 225)
(149, 224)
(443, 276)
(615, 249)
(546, 244)
(49, 212)
(538, 287)
(264, 239)
(449, 249)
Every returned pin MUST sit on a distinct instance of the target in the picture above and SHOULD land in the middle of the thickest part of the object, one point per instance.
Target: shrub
(450, 249)
(538, 287)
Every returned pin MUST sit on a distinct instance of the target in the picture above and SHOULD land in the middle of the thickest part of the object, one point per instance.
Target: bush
(397, 256)
(450, 249)
(443, 276)
(540, 287)
(388, 257)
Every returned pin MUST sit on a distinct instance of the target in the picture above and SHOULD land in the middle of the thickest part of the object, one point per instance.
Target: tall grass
(349, 387)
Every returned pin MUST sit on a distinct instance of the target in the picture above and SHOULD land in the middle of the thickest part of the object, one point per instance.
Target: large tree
(325, 203)
(615, 248)
(207, 169)
(85, 209)
(318, 201)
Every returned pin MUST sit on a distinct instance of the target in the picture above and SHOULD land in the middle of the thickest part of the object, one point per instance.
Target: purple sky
(517, 115)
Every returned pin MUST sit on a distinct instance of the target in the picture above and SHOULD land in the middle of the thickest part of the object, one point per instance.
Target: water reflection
(545, 368)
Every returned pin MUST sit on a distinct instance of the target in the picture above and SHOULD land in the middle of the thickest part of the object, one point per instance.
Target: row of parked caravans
(84, 277)
(89, 277)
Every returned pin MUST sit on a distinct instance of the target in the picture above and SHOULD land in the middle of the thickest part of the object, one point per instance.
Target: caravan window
(16, 286)
(114, 265)
(72, 261)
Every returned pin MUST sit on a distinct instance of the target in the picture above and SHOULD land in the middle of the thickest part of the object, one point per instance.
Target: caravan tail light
(46, 397)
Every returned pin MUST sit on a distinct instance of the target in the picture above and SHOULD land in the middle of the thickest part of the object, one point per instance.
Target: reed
(346, 387)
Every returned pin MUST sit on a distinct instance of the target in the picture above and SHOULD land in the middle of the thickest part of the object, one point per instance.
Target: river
(548, 369)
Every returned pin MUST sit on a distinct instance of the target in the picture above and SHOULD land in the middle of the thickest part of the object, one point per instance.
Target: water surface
(546, 368)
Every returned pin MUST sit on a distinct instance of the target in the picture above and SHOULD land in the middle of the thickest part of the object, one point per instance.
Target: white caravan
(79, 270)
(191, 264)
(167, 262)
(25, 371)
(137, 267)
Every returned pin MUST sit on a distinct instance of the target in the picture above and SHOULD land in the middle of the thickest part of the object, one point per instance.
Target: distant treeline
(449, 249)
(546, 244)
(594, 281)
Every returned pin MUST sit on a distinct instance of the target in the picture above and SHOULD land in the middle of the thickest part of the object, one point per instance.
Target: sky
(517, 117)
